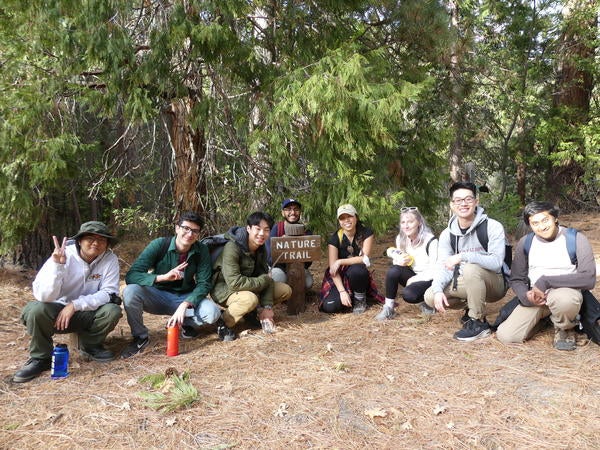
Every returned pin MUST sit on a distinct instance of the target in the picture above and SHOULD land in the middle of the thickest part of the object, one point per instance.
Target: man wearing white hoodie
(76, 291)
(470, 272)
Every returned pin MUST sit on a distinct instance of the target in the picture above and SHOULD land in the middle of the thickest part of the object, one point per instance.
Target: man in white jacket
(76, 292)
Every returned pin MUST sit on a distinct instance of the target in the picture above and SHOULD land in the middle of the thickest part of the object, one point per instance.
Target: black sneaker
(135, 347)
(465, 317)
(32, 368)
(473, 329)
(224, 332)
(188, 332)
(98, 353)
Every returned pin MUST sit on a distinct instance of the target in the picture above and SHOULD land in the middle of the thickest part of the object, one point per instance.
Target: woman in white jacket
(413, 261)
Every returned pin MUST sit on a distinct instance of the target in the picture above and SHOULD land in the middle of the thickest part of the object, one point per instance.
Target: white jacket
(87, 286)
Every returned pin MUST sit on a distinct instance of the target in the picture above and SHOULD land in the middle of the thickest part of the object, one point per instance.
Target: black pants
(358, 278)
(413, 293)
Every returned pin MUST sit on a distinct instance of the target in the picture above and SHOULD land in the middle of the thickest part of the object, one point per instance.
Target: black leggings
(358, 278)
(413, 293)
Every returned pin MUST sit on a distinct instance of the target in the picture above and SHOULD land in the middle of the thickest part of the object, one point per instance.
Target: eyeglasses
(186, 230)
(293, 209)
(97, 239)
(468, 200)
(408, 209)
(541, 223)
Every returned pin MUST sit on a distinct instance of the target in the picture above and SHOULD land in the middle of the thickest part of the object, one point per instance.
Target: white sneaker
(386, 313)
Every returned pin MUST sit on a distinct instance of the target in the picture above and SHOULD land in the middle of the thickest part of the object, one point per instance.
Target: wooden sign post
(295, 251)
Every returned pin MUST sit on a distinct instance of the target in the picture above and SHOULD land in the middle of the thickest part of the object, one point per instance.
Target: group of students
(466, 268)
(77, 288)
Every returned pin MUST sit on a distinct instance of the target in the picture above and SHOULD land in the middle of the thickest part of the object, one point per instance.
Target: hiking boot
(135, 347)
(188, 332)
(564, 339)
(359, 306)
(465, 317)
(386, 313)
(97, 353)
(426, 309)
(32, 368)
(473, 329)
(225, 333)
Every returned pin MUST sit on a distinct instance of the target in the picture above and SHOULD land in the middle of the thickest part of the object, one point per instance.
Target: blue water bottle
(60, 361)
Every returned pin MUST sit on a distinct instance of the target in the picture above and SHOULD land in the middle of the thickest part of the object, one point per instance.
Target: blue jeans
(138, 299)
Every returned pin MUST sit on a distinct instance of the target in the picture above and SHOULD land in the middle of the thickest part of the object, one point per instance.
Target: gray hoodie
(470, 248)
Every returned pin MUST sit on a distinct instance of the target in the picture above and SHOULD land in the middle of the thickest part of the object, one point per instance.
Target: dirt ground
(321, 381)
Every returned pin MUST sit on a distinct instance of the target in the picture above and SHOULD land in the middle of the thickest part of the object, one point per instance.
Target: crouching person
(73, 290)
(171, 277)
(242, 283)
(548, 281)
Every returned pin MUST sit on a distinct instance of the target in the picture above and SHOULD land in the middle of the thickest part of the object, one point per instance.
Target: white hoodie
(87, 286)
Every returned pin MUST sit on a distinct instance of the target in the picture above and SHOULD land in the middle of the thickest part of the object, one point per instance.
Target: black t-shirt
(347, 249)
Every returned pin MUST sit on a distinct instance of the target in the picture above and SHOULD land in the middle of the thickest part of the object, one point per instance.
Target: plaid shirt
(328, 284)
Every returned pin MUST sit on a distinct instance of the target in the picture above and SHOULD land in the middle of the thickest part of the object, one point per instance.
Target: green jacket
(196, 278)
(236, 269)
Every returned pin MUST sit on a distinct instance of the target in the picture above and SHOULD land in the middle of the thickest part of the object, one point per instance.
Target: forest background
(129, 112)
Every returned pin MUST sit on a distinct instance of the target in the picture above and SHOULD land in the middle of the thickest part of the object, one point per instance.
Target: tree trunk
(189, 151)
(457, 171)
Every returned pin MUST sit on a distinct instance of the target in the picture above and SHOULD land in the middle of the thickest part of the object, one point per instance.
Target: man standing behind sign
(291, 210)
(241, 280)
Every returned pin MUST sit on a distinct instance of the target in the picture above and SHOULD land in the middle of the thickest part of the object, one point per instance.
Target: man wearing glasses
(177, 286)
(291, 210)
(470, 274)
(546, 280)
(74, 292)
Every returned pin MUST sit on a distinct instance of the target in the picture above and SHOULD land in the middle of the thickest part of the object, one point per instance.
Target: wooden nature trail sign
(295, 251)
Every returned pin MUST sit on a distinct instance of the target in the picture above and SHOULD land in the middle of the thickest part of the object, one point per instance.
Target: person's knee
(331, 306)
(471, 271)
(410, 296)
(504, 335)
(132, 294)
(282, 292)
(209, 313)
(110, 312)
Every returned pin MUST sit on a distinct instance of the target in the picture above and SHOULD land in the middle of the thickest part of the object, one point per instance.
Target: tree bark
(188, 147)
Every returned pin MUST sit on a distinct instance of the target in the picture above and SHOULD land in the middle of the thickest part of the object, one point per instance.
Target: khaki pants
(476, 286)
(240, 303)
(562, 305)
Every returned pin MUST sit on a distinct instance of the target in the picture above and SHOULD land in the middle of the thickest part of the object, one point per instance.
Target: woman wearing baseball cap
(347, 280)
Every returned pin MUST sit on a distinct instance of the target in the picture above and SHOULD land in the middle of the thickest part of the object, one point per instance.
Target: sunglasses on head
(408, 209)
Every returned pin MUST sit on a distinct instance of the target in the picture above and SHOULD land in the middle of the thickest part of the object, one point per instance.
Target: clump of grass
(174, 391)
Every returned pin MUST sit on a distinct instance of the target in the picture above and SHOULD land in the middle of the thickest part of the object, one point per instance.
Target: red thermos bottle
(173, 340)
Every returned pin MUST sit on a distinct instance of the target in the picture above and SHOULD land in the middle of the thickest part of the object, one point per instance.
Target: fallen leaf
(407, 425)
(281, 410)
(376, 412)
(439, 409)
(171, 421)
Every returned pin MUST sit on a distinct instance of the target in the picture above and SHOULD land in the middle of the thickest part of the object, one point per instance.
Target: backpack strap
(572, 245)
(482, 236)
(340, 235)
(164, 248)
(427, 245)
